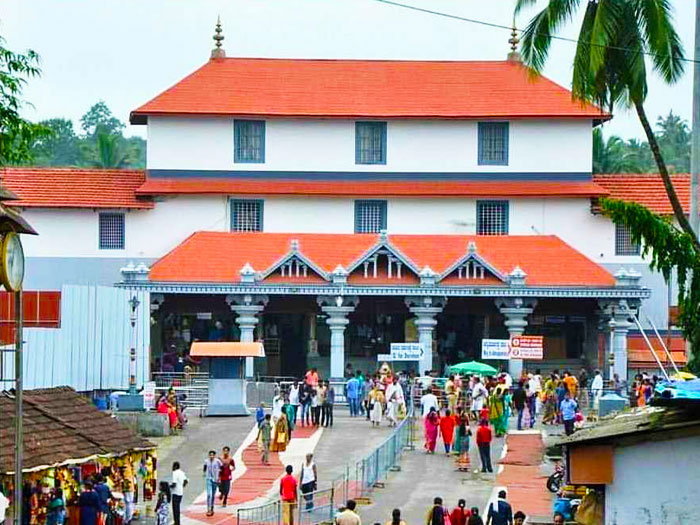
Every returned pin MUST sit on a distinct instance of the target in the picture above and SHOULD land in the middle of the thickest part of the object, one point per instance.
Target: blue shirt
(501, 513)
(353, 388)
(568, 409)
(259, 415)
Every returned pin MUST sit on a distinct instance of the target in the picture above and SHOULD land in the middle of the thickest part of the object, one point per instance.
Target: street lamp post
(611, 357)
(134, 303)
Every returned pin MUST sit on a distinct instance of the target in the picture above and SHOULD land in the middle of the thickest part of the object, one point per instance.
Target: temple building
(330, 208)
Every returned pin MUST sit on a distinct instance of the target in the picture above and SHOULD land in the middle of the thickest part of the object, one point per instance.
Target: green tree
(674, 142)
(109, 152)
(609, 65)
(99, 118)
(16, 134)
(613, 155)
(61, 147)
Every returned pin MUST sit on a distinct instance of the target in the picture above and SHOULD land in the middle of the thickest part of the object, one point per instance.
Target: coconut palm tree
(615, 38)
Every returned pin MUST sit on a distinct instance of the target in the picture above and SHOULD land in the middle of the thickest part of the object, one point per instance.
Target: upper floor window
(493, 143)
(492, 217)
(623, 241)
(370, 142)
(249, 141)
(370, 216)
(111, 234)
(246, 215)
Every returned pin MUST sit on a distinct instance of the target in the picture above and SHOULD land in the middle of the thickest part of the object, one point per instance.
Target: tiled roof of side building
(366, 88)
(74, 187)
(218, 257)
(646, 189)
(421, 188)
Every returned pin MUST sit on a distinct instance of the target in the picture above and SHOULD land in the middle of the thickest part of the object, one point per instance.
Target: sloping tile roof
(218, 257)
(62, 425)
(365, 88)
(646, 189)
(74, 187)
(421, 188)
(639, 355)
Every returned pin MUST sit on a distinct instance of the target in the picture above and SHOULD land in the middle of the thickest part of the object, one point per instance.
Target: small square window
(493, 143)
(492, 217)
(623, 241)
(249, 141)
(246, 215)
(370, 142)
(111, 231)
(370, 216)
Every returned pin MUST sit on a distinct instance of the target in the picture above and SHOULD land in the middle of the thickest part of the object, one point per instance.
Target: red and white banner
(526, 347)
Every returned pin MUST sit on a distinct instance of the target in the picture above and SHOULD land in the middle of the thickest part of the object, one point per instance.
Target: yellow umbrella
(683, 376)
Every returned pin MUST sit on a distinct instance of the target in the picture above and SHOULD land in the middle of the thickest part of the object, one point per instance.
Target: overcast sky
(127, 51)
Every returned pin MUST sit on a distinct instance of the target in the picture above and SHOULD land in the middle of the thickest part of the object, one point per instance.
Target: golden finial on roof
(218, 51)
(514, 55)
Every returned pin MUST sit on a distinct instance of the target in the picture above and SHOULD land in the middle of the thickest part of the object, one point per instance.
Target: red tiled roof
(423, 188)
(217, 257)
(646, 189)
(638, 353)
(365, 88)
(74, 187)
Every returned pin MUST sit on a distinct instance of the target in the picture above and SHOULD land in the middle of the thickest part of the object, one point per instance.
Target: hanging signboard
(149, 395)
(407, 351)
(527, 347)
(494, 348)
(384, 357)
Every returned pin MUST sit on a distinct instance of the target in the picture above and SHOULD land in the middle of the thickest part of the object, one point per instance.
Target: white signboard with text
(407, 351)
(494, 349)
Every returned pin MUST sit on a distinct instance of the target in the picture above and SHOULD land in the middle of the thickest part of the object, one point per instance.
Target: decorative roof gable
(472, 267)
(294, 265)
(393, 268)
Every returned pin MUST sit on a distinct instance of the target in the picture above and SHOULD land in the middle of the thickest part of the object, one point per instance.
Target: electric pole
(695, 140)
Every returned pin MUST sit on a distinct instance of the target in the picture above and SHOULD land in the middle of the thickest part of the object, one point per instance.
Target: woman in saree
(280, 436)
(550, 401)
(497, 411)
(431, 423)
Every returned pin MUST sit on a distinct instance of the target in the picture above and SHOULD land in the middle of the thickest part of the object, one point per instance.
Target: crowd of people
(376, 396)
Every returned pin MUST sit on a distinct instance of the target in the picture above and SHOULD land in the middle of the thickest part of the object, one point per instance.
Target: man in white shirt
(177, 486)
(597, 388)
(294, 400)
(479, 395)
(428, 401)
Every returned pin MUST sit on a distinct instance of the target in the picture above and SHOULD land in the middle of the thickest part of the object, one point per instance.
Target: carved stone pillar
(425, 309)
(515, 310)
(337, 308)
(248, 307)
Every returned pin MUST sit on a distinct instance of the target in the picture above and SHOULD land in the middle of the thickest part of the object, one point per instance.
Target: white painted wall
(308, 215)
(329, 145)
(668, 495)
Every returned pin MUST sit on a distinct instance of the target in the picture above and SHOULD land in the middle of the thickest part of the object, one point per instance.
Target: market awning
(228, 349)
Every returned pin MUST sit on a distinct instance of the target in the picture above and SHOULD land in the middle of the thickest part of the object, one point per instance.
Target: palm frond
(655, 18)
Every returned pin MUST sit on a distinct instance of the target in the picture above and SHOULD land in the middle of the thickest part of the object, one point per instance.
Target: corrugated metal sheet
(90, 351)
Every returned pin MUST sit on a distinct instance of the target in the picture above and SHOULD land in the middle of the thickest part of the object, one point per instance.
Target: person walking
(428, 401)
(500, 513)
(178, 482)
(288, 495)
(352, 393)
(280, 437)
(568, 413)
(330, 401)
(475, 519)
(228, 465)
(163, 504)
(104, 495)
(431, 424)
(465, 434)
(89, 504)
(309, 480)
(436, 514)
(519, 398)
(479, 397)
(447, 430)
(294, 401)
(376, 401)
(321, 393)
(367, 385)
(315, 407)
(305, 400)
(395, 518)
(348, 516)
(460, 514)
(260, 414)
(596, 388)
(483, 441)
(211, 470)
(265, 438)
(394, 395)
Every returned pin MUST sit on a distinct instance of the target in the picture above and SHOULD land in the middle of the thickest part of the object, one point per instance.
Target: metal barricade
(191, 387)
(265, 514)
(316, 507)
(260, 392)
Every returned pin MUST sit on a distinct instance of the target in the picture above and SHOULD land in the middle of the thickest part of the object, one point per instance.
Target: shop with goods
(68, 442)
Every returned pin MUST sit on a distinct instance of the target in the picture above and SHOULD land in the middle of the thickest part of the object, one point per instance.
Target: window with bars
(246, 215)
(493, 143)
(370, 216)
(492, 217)
(623, 241)
(249, 139)
(111, 232)
(370, 142)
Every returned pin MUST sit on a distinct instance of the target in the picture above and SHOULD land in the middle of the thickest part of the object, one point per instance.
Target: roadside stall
(227, 386)
(67, 441)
